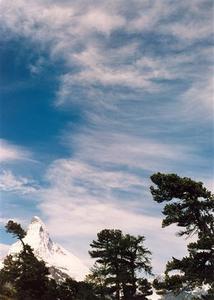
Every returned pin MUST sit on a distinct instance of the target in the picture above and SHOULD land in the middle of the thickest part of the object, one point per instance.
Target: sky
(96, 96)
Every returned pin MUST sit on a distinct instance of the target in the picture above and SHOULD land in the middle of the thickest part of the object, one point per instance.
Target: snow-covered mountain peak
(53, 254)
(37, 227)
(36, 219)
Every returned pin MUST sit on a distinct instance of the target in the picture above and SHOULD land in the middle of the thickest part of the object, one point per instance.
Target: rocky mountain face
(61, 262)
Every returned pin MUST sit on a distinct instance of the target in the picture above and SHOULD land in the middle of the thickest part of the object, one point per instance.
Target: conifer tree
(119, 259)
(191, 207)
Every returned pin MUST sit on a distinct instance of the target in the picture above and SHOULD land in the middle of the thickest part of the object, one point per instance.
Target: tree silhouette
(119, 259)
(191, 207)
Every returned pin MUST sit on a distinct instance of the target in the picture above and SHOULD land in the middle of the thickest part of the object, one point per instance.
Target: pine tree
(119, 258)
(135, 258)
(192, 209)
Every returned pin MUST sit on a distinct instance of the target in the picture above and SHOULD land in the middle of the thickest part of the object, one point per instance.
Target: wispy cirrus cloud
(12, 152)
(16, 184)
(90, 176)
(201, 92)
(131, 151)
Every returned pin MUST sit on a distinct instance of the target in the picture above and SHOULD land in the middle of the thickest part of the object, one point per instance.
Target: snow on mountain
(53, 254)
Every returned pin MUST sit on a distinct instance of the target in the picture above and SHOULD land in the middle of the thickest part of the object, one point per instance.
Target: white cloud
(199, 99)
(196, 30)
(101, 21)
(89, 175)
(11, 152)
(131, 151)
(17, 184)
(194, 15)
(149, 15)
(56, 22)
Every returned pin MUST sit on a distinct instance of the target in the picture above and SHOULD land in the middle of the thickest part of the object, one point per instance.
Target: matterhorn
(61, 263)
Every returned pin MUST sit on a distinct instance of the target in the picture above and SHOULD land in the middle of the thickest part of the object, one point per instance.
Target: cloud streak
(16, 184)
(132, 151)
(11, 152)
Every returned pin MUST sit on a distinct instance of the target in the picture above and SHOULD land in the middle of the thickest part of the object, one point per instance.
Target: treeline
(122, 262)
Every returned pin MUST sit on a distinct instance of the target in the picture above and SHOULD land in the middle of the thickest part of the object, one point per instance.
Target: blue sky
(95, 97)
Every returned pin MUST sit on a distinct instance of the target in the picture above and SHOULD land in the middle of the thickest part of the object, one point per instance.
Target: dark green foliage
(51, 292)
(98, 280)
(85, 291)
(16, 230)
(145, 289)
(192, 208)
(173, 283)
(7, 291)
(119, 258)
(25, 274)
(198, 266)
(195, 205)
(73, 290)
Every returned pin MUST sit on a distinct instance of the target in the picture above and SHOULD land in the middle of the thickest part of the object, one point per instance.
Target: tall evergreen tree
(120, 258)
(191, 207)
